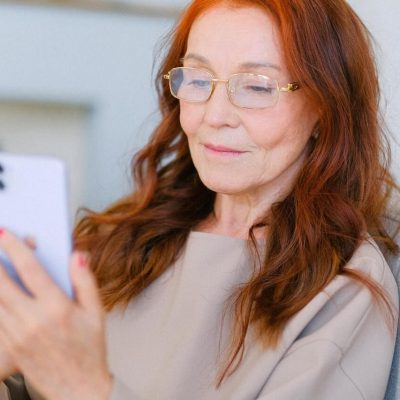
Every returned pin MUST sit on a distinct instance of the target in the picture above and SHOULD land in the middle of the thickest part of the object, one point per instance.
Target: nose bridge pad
(231, 91)
(213, 84)
(224, 83)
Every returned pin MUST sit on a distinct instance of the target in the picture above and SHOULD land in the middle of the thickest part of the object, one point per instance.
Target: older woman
(244, 266)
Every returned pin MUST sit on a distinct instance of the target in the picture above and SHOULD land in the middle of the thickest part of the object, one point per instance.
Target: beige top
(165, 346)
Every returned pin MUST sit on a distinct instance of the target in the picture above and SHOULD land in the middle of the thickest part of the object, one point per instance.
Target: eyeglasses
(245, 90)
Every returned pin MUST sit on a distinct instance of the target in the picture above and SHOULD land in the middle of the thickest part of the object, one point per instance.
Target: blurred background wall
(76, 82)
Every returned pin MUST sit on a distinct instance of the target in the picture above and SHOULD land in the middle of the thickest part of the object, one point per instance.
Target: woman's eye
(259, 89)
(199, 83)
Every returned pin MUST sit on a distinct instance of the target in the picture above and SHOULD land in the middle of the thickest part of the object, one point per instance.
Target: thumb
(84, 283)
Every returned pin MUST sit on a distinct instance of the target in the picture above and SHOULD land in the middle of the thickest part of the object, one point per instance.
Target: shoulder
(346, 304)
(368, 261)
(346, 312)
(345, 332)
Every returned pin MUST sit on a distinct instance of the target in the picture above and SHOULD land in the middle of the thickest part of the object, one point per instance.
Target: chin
(224, 186)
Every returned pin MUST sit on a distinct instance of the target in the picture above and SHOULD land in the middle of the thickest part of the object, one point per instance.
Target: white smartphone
(34, 203)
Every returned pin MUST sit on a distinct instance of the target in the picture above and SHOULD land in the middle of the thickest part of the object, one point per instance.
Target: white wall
(102, 62)
(54, 130)
(382, 19)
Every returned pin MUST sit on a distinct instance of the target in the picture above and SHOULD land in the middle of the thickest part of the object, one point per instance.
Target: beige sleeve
(346, 354)
(119, 392)
(122, 392)
(313, 371)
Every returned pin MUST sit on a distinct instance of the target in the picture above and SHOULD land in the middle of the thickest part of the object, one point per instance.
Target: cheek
(190, 118)
(283, 128)
(280, 142)
(267, 132)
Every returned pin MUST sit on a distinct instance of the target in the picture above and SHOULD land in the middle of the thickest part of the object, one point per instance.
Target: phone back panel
(34, 203)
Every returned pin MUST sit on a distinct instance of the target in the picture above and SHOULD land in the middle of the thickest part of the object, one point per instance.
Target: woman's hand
(7, 364)
(58, 344)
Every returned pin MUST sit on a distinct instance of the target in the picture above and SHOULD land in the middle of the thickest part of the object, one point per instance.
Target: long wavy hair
(340, 194)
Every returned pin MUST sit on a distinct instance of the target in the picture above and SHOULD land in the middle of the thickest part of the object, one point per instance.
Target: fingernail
(1, 231)
(82, 260)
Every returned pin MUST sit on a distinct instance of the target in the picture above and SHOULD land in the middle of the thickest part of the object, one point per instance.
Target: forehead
(229, 37)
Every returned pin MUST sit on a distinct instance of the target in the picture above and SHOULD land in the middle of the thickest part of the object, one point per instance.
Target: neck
(235, 214)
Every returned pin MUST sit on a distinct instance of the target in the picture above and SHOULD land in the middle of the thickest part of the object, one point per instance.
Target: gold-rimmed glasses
(245, 90)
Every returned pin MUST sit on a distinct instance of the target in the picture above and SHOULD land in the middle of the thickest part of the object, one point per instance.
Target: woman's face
(237, 150)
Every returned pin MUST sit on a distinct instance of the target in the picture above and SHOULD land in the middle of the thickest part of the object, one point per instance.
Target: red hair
(341, 192)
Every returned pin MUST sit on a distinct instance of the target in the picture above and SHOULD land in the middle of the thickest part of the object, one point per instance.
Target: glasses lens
(253, 91)
(190, 84)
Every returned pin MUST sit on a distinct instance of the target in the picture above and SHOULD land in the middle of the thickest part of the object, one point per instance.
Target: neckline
(216, 236)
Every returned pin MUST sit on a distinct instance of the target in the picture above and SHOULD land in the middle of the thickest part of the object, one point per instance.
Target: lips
(222, 149)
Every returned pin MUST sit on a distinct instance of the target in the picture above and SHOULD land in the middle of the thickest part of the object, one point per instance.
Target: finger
(15, 306)
(86, 290)
(32, 274)
(15, 309)
(7, 363)
(12, 297)
(8, 325)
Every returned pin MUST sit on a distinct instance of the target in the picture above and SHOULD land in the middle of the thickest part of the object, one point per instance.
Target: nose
(219, 111)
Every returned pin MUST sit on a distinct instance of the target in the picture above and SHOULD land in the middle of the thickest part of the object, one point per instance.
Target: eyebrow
(246, 65)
